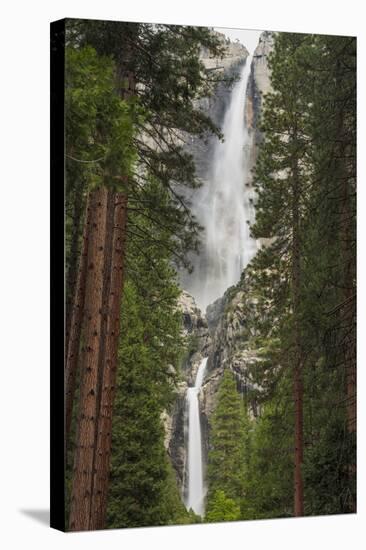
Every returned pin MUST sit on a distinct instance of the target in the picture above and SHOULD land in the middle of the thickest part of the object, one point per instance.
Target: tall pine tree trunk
(108, 248)
(76, 318)
(73, 272)
(110, 360)
(81, 494)
(99, 369)
(298, 356)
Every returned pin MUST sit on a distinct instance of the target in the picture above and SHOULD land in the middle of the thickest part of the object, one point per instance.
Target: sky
(248, 38)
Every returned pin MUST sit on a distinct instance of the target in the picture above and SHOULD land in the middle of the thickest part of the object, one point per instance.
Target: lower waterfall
(195, 493)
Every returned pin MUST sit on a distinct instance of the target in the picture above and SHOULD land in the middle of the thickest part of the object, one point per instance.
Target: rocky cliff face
(229, 317)
(195, 329)
(259, 82)
(215, 105)
(230, 320)
(224, 335)
(203, 149)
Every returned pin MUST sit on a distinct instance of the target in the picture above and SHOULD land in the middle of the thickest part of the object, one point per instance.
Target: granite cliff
(222, 334)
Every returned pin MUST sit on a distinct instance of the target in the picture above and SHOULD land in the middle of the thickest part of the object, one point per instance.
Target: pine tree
(121, 129)
(139, 469)
(333, 270)
(222, 508)
(226, 458)
(305, 280)
(98, 126)
(268, 482)
(162, 64)
(87, 425)
(281, 177)
(141, 480)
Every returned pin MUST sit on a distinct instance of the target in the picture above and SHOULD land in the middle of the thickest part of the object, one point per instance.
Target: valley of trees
(131, 98)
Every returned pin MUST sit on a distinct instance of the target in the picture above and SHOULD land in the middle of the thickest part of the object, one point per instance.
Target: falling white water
(224, 205)
(195, 494)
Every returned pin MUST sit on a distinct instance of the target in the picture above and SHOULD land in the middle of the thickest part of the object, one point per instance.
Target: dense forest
(132, 99)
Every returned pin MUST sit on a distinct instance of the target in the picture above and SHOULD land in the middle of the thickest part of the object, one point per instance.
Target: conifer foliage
(305, 182)
(299, 457)
(132, 97)
(129, 89)
(226, 461)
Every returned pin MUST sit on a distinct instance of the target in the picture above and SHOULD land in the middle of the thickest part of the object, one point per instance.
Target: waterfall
(195, 494)
(224, 206)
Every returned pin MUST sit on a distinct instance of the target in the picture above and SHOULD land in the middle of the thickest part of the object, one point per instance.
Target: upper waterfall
(223, 205)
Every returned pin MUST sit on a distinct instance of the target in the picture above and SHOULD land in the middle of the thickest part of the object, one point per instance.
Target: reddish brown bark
(108, 246)
(108, 249)
(110, 359)
(73, 271)
(76, 317)
(81, 494)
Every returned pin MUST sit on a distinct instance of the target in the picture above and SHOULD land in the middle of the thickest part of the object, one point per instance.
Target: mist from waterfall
(195, 493)
(223, 205)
